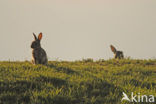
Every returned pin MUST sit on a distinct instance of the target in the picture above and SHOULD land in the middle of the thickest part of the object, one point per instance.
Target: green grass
(79, 82)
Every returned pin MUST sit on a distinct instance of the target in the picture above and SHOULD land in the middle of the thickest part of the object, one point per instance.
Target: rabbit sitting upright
(118, 54)
(39, 55)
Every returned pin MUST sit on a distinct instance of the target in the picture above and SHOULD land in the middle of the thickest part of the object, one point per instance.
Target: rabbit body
(119, 54)
(39, 55)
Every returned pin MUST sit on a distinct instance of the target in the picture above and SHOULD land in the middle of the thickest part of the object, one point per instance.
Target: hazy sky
(76, 29)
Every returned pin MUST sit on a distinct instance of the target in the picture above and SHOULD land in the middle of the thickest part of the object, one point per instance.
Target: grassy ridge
(79, 82)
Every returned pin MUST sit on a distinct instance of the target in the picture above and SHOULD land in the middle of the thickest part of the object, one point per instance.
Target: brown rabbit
(118, 54)
(39, 55)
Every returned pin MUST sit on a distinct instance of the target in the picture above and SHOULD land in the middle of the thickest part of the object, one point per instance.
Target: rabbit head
(36, 42)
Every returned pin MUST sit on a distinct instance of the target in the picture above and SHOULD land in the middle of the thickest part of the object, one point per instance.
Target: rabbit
(118, 54)
(39, 55)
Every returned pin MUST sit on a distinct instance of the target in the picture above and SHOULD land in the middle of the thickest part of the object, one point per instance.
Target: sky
(78, 29)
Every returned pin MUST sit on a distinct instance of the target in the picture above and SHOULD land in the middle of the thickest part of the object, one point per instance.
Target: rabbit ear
(113, 48)
(35, 36)
(40, 36)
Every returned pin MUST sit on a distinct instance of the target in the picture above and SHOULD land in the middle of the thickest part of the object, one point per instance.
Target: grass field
(78, 82)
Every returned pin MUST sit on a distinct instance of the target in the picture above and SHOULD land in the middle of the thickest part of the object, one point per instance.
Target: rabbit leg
(37, 62)
(32, 61)
(116, 56)
(122, 56)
